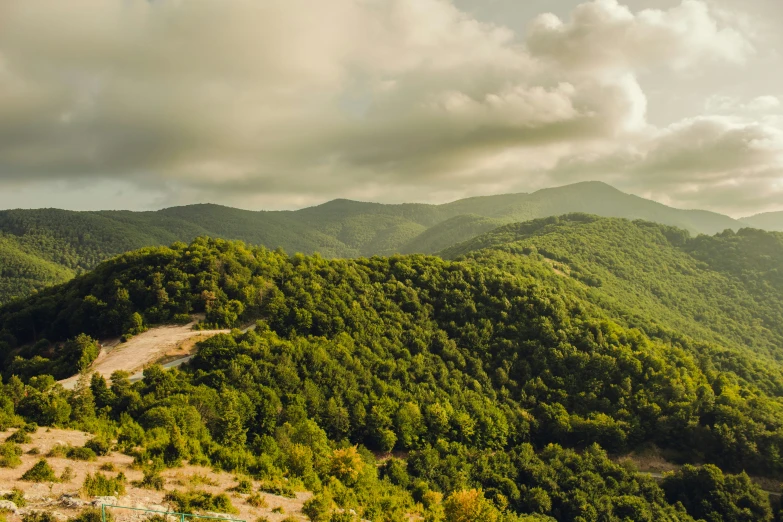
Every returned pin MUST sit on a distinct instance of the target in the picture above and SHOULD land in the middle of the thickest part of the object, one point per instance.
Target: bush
(19, 437)
(257, 501)
(319, 507)
(99, 485)
(9, 455)
(277, 487)
(16, 496)
(92, 514)
(100, 446)
(67, 474)
(194, 501)
(39, 516)
(80, 454)
(108, 466)
(69, 452)
(151, 480)
(244, 485)
(40, 472)
(58, 450)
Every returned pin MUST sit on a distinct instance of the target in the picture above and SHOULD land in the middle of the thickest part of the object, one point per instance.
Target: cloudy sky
(276, 104)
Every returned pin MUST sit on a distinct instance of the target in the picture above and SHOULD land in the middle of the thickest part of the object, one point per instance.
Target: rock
(157, 507)
(59, 516)
(97, 501)
(72, 502)
(7, 505)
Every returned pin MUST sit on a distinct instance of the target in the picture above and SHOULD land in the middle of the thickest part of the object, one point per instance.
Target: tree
(229, 429)
(469, 506)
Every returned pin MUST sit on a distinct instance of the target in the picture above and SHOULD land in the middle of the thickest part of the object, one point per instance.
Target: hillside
(78, 241)
(475, 374)
(768, 221)
(724, 289)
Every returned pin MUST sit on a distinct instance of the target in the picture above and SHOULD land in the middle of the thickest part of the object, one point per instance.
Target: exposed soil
(163, 342)
(49, 496)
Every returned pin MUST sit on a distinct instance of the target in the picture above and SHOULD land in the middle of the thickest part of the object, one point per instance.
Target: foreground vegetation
(498, 384)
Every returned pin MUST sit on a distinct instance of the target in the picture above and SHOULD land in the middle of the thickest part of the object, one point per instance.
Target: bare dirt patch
(49, 496)
(169, 342)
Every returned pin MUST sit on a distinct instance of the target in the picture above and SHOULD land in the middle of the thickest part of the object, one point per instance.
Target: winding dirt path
(174, 341)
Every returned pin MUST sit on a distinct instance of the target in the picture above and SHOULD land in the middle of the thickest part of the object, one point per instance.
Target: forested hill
(725, 289)
(46, 246)
(499, 388)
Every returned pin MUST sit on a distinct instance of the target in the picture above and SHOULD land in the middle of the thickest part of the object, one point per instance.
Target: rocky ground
(65, 500)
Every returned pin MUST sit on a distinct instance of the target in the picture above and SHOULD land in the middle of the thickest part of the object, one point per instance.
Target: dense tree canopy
(499, 383)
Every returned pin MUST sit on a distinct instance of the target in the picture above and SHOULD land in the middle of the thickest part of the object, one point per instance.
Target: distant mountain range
(46, 246)
(770, 221)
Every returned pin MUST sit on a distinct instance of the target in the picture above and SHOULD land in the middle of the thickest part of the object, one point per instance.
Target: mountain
(77, 241)
(501, 381)
(766, 221)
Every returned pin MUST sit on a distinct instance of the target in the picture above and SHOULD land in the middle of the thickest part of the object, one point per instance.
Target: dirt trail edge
(146, 348)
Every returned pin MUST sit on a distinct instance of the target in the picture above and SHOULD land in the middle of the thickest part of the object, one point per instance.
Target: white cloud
(603, 34)
(291, 101)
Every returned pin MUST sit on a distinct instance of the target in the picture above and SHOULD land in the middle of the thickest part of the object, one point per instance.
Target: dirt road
(172, 342)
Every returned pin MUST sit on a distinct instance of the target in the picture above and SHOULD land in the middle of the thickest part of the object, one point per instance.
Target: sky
(281, 104)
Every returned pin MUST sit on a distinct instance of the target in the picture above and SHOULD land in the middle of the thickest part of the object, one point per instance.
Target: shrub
(199, 479)
(19, 437)
(278, 509)
(99, 445)
(39, 516)
(16, 496)
(58, 450)
(67, 474)
(319, 507)
(108, 466)
(151, 480)
(9, 455)
(40, 472)
(99, 485)
(244, 485)
(92, 514)
(80, 454)
(193, 501)
(277, 487)
(257, 501)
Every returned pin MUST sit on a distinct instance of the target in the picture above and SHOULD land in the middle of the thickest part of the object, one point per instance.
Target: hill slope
(479, 375)
(768, 221)
(725, 288)
(341, 228)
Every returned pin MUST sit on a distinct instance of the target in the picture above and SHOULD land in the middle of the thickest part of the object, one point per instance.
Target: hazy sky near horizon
(273, 104)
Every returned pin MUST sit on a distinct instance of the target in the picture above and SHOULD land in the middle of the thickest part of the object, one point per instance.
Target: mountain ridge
(78, 241)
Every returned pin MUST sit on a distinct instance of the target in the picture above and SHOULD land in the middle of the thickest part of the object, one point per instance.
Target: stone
(72, 502)
(7, 505)
(97, 501)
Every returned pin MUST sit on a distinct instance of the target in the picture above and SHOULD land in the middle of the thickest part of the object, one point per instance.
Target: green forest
(493, 383)
(46, 246)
